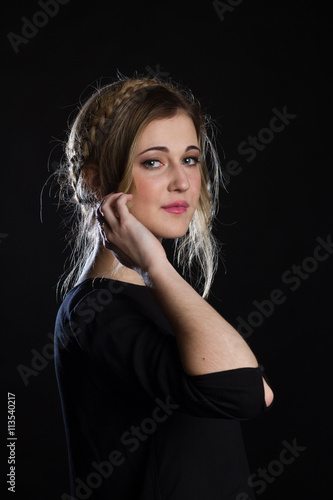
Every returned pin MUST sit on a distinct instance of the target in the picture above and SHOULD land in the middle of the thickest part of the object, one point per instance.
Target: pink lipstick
(178, 207)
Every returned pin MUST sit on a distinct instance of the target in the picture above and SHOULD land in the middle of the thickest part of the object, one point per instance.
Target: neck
(103, 264)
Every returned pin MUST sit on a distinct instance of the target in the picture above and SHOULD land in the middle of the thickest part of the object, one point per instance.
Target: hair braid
(87, 135)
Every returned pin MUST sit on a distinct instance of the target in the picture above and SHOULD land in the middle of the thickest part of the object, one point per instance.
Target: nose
(179, 180)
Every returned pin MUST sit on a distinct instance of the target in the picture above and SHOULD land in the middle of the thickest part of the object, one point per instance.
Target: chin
(171, 234)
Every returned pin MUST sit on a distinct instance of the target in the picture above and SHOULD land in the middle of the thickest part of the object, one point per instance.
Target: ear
(90, 174)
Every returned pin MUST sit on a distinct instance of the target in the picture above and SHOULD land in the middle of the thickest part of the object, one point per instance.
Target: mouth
(178, 207)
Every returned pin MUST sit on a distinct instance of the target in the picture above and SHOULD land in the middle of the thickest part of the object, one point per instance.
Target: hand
(130, 241)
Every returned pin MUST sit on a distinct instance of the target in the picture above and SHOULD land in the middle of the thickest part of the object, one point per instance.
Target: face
(166, 175)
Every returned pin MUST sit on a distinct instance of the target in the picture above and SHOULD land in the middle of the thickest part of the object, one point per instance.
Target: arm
(206, 342)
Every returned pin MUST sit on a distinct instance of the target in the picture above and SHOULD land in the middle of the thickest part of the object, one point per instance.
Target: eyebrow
(166, 150)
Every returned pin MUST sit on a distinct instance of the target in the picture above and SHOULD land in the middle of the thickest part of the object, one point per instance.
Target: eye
(152, 163)
(191, 161)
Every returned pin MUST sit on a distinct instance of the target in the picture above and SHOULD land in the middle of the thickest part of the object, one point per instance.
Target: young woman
(153, 381)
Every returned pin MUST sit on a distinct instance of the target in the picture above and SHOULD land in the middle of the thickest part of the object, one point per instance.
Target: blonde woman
(153, 381)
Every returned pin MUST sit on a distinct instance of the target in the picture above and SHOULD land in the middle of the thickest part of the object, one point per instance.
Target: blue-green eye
(151, 163)
(154, 164)
(191, 161)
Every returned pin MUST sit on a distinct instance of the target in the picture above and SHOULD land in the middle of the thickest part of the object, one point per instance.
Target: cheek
(146, 192)
(196, 185)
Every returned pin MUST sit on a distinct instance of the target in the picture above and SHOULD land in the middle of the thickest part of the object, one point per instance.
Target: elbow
(269, 395)
(255, 406)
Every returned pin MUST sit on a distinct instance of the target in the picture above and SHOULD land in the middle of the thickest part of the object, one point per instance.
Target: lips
(178, 207)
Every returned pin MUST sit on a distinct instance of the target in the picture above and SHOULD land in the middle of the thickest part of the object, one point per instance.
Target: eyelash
(146, 162)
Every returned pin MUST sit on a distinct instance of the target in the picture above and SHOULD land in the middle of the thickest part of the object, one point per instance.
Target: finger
(104, 210)
(120, 205)
(110, 216)
(112, 207)
(104, 200)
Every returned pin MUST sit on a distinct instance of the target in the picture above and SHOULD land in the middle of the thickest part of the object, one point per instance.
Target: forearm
(206, 342)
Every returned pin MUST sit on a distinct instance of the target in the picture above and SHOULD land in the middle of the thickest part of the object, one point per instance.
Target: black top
(137, 426)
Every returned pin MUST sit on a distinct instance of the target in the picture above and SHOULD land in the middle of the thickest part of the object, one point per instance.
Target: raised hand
(129, 240)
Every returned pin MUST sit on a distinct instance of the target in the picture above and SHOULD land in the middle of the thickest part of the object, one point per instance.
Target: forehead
(178, 129)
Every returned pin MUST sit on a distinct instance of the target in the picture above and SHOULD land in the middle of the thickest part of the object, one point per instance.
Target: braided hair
(103, 136)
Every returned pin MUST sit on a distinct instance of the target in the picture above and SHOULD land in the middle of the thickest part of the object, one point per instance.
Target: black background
(262, 55)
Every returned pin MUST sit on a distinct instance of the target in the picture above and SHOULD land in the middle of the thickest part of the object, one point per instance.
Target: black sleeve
(130, 348)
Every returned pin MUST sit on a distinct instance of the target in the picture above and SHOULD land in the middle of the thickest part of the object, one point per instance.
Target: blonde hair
(104, 134)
